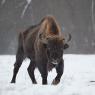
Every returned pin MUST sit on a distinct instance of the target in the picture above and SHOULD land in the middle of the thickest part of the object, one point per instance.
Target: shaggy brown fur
(44, 45)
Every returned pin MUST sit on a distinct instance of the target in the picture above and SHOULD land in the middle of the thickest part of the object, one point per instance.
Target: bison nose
(57, 60)
(53, 60)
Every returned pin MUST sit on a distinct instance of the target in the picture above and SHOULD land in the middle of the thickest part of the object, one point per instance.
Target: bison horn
(69, 39)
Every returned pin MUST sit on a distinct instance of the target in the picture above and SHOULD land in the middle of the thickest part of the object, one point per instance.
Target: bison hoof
(55, 82)
(35, 82)
(12, 82)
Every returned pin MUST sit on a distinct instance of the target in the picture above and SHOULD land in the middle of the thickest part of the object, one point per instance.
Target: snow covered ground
(78, 78)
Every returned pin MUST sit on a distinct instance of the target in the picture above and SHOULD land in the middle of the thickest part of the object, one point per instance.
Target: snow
(78, 77)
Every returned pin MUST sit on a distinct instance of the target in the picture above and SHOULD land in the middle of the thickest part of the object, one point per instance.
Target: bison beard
(43, 44)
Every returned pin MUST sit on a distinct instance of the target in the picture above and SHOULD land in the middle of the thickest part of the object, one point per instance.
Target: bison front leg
(31, 69)
(43, 70)
(59, 70)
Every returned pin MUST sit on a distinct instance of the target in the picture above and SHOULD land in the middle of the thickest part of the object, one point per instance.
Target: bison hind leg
(17, 65)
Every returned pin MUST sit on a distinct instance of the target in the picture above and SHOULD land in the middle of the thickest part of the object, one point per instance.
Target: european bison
(43, 44)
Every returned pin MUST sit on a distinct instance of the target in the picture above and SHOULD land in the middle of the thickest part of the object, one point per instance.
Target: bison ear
(66, 46)
(42, 39)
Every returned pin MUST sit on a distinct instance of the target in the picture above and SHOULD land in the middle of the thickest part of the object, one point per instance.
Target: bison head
(55, 47)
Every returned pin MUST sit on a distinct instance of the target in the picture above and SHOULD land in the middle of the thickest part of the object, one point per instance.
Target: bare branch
(25, 8)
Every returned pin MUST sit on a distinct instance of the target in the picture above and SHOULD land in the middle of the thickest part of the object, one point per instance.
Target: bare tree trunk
(92, 15)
